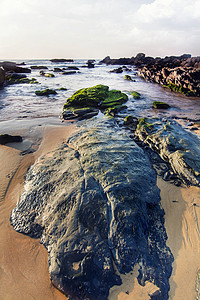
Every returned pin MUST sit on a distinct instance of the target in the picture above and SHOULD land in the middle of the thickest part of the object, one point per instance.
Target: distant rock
(95, 205)
(90, 63)
(61, 60)
(39, 68)
(13, 67)
(68, 72)
(6, 138)
(72, 68)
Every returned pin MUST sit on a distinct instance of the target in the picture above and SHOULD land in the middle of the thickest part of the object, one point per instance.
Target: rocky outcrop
(175, 145)
(95, 204)
(178, 73)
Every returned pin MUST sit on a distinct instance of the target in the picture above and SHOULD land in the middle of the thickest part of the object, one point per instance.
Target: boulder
(95, 205)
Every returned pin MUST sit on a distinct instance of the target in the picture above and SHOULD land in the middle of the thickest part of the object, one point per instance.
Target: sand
(24, 261)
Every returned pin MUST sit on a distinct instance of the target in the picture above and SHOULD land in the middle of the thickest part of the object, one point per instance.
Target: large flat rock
(94, 203)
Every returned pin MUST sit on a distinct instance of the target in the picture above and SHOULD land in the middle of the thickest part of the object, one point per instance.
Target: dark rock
(58, 70)
(61, 60)
(6, 138)
(2, 76)
(175, 145)
(68, 72)
(160, 105)
(39, 68)
(90, 64)
(127, 77)
(118, 70)
(95, 204)
(72, 68)
(46, 92)
(13, 67)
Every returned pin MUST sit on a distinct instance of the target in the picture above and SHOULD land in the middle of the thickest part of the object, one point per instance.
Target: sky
(97, 28)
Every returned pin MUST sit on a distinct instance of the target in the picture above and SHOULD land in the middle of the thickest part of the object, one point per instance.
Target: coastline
(24, 261)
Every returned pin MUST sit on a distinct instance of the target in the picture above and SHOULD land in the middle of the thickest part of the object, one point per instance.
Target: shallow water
(20, 102)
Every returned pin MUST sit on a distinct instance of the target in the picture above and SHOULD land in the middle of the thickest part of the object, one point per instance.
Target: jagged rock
(174, 144)
(90, 64)
(6, 138)
(94, 202)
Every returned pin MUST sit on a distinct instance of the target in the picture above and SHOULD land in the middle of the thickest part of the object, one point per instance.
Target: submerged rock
(174, 144)
(94, 203)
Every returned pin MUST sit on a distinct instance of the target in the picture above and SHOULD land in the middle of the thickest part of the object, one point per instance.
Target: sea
(19, 101)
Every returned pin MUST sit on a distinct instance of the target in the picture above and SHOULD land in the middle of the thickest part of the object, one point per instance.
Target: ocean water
(20, 102)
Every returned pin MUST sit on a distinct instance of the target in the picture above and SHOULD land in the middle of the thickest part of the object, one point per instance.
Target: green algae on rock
(160, 105)
(128, 77)
(18, 78)
(180, 89)
(45, 92)
(135, 95)
(98, 97)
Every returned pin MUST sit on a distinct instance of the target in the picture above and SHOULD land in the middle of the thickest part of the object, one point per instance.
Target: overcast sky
(97, 28)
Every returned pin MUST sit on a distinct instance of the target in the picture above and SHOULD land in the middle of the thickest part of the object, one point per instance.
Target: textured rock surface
(176, 145)
(94, 203)
(2, 76)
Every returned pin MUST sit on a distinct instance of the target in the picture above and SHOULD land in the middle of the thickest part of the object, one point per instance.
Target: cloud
(88, 28)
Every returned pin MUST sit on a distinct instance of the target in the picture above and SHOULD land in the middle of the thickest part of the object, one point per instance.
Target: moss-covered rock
(18, 78)
(112, 111)
(49, 75)
(160, 105)
(98, 97)
(181, 89)
(62, 89)
(45, 92)
(128, 77)
(135, 95)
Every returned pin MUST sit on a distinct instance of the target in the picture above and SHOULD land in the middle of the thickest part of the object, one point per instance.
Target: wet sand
(24, 261)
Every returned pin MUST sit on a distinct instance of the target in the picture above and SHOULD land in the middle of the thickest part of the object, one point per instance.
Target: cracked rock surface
(174, 144)
(95, 205)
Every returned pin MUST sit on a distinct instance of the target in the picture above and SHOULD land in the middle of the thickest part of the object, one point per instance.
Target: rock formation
(178, 73)
(94, 203)
(175, 145)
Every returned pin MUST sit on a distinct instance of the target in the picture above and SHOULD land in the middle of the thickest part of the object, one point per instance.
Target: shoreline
(20, 253)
